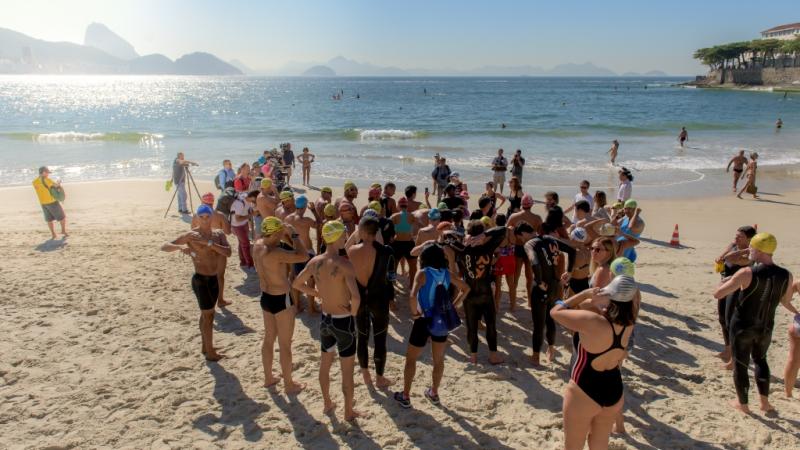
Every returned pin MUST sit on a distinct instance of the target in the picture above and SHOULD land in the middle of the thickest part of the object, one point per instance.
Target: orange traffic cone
(676, 241)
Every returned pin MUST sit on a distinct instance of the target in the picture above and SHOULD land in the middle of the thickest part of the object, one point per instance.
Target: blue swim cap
(301, 201)
(434, 214)
(204, 210)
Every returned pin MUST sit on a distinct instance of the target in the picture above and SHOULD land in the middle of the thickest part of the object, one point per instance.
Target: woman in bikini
(751, 186)
(505, 266)
(593, 396)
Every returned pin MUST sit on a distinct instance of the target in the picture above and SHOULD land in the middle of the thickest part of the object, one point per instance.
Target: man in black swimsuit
(205, 246)
(738, 162)
(475, 261)
(761, 287)
(374, 266)
(543, 253)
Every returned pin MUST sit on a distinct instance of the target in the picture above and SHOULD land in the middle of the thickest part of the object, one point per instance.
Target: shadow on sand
(51, 245)
(237, 407)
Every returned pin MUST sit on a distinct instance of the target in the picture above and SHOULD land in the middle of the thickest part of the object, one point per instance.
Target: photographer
(179, 167)
(517, 163)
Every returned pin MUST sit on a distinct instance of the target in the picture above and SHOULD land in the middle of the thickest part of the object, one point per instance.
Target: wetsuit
(544, 252)
(493, 199)
(604, 387)
(751, 326)
(373, 311)
(454, 203)
(625, 227)
(386, 228)
(475, 263)
(725, 305)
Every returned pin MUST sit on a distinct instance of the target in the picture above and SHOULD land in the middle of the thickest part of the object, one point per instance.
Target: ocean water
(106, 127)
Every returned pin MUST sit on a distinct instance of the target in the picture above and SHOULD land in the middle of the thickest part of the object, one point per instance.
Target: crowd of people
(579, 274)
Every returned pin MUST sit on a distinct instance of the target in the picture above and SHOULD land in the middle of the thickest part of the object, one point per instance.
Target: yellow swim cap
(286, 195)
(330, 210)
(326, 189)
(487, 222)
(332, 231)
(375, 206)
(266, 183)
(271, 225)
(764, 242)
(349, 185)
(375, 186)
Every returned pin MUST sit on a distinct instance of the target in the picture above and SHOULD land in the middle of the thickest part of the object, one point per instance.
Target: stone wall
(767, 76)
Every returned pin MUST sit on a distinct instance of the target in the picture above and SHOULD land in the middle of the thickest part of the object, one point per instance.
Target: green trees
(738, 54)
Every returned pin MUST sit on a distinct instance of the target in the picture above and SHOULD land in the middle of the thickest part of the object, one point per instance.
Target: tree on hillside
(766, 47)
(792, 48)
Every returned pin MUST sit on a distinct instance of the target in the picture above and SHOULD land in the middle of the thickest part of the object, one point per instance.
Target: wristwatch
(210, 242)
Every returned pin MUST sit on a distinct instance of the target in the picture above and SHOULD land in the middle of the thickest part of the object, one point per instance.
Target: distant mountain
(348, 67)
(319, 71)
(586, 69)
(241, 66)
(100, 37)
(652, 73)
(155, 64)
(200, 63)
(20, 53)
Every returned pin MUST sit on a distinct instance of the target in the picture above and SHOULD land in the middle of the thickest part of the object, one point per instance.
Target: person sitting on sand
(612, 152)
(544, 252)
(750, 186)
(272, 258)
(336, 286)
(205, 246)
(734, 257)
(475, 262)
(374, 271)
(51, 207)
(593, 397)
(306, 159)
(738, 163)
(434, 266)
(683, 136)
(218, 222)
(761, 288)
(793, 360)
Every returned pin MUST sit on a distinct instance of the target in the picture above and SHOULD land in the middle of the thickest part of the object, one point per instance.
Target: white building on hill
(782, 32)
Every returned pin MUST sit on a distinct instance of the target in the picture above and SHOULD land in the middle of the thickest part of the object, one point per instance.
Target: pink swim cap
(527, 201)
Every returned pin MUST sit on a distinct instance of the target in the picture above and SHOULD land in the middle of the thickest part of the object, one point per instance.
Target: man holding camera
(179, 180)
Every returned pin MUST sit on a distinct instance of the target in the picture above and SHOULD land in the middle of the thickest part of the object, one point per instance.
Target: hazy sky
(623, 35)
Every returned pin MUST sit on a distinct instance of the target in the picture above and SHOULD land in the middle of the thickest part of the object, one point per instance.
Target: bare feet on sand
(295, 388)
(724, 355)
(272, 380)
(353, 415)
(383, 382)
(393, 306)
(766, 406)
(329, 408)
(473, 358)
(223, 303)
(728, 365)
(214, 356)
(495, 358)
(367, 377)
(535, 360)
(551, 353)
(740, 407)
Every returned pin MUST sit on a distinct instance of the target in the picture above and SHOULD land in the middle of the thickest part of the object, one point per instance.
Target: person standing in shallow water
(750, 187)
(683, 136)
(612, 152)
(738, 163)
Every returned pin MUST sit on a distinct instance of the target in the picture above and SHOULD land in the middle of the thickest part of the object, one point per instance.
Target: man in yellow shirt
(53, 212)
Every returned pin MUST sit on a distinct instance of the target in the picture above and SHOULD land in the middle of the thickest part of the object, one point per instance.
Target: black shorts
(402, 249)
(338, 333)
(275, 303)
(53, 212)
(519, 252)
(298, 267)
(420, 334)
(578, 285)
(206, 289)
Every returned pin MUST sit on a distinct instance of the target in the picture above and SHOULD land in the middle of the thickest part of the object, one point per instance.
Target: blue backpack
(439, 308)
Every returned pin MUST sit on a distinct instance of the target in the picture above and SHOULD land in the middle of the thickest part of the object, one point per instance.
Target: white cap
(621, 289)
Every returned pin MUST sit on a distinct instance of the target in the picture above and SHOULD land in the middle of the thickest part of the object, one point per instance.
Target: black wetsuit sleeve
(496, 236)
(570, 253)
(536, 260)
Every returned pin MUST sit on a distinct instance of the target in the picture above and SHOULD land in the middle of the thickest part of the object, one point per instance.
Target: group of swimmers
(579, 274)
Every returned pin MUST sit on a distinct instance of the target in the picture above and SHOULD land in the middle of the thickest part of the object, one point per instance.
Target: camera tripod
(187, 175)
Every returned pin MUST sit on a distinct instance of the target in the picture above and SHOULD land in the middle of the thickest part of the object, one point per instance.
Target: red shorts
(505, 265)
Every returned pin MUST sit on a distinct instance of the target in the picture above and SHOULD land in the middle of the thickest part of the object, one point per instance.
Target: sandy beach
(101, 348)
